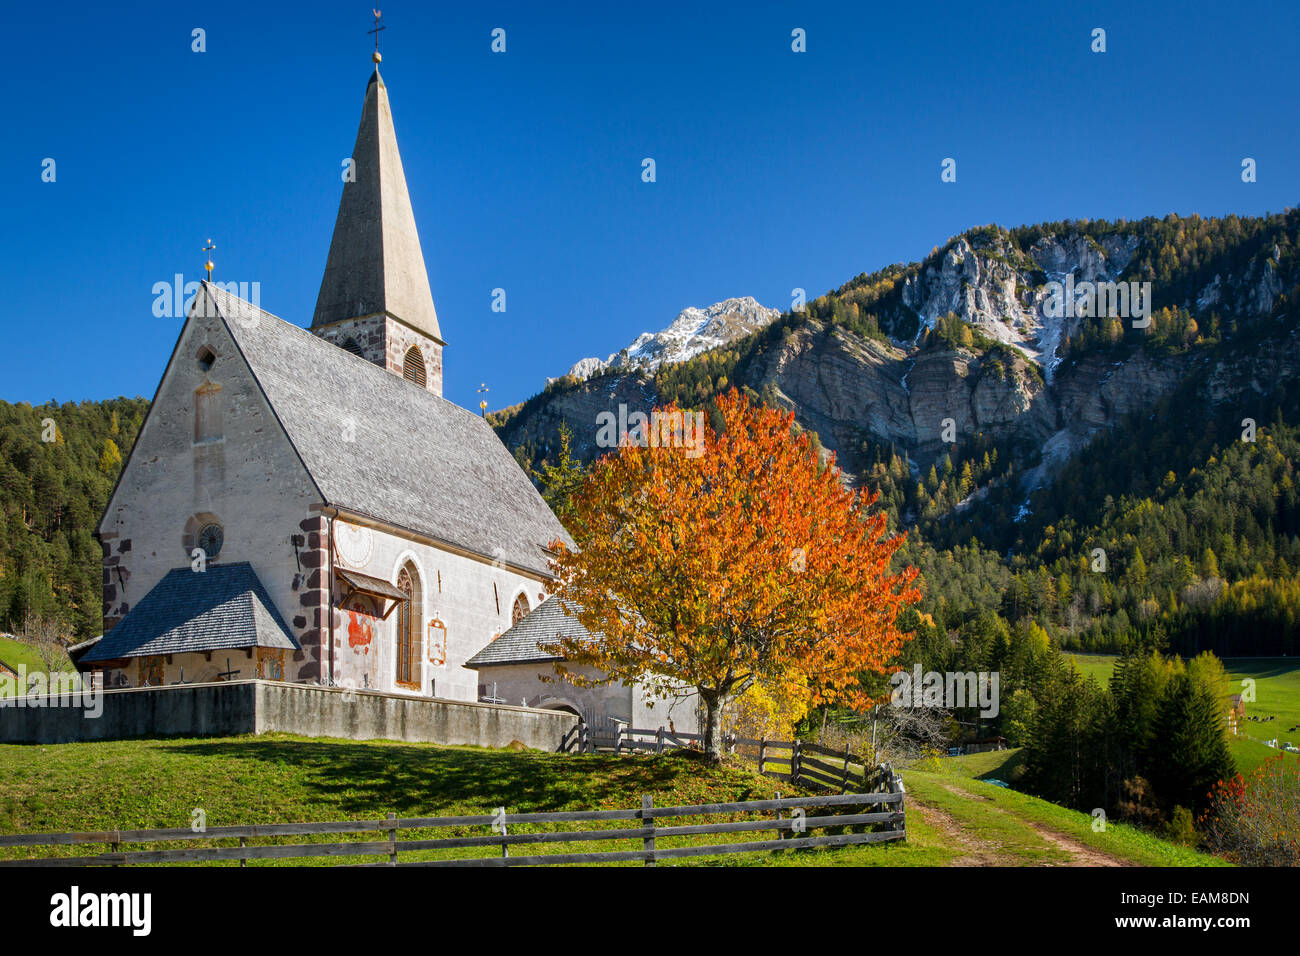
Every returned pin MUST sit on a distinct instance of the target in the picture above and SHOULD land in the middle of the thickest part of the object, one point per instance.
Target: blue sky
(775, 169)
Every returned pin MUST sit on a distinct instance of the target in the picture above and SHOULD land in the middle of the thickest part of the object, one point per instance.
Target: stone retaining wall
(258, 707)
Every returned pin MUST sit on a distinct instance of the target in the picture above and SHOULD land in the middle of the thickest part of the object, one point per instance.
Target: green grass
(278, 778)
(15, 653)
(1099, 666)
(1277, 695)
(993, 764)
(975, 805)
(150, 784)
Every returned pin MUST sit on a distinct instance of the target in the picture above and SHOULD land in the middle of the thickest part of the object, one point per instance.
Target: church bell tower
(374, 298)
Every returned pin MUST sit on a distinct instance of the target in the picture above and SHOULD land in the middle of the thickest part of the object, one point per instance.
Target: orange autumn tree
(724, 558)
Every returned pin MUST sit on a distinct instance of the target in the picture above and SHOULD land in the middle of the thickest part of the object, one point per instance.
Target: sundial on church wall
(353, 545)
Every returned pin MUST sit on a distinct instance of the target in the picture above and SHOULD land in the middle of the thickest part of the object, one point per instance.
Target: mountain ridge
(692, 332)
(963, 337)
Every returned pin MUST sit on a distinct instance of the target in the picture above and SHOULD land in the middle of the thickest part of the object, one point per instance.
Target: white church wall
(217, 666)
(472, 599)
(679, 712)
(523, 684)
(236, 468)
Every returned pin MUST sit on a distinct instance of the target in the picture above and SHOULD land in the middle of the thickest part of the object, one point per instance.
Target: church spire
(375, 270)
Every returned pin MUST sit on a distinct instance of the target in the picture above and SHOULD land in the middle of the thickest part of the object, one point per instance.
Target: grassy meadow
(952, 816)
(1277, 695)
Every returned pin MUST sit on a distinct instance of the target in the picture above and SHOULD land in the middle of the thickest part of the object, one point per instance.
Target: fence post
(780, 833)
(794, 761)
(392, 841)
(844, 782)
(115, 845)
(618, 740)
(584, 742)
(762, 754)
(648, 828)
(243, 860)
(902, 793)
(659, 741)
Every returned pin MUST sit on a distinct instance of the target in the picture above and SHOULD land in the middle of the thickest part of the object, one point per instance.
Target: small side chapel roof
(379, 446)
(223, 607)
(519, 644)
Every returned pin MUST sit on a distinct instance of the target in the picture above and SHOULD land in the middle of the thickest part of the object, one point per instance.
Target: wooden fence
(788, 819)
(801, 763)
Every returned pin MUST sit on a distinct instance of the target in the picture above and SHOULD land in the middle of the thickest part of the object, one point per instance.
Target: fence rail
(789, 832)
(796, 761)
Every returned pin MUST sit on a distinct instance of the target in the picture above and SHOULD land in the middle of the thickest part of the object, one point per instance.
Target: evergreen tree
(1187, 753)
(560, 479)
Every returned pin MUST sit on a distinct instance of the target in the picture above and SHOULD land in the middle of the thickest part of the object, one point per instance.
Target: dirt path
(1080, 853)
(975, 852)
(979, 852)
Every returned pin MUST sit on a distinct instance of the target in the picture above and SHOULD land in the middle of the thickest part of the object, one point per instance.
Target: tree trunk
(712, 725)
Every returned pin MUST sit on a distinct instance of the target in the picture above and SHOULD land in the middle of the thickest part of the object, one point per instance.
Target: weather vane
(378, 16)
(483, 390)
(208, 265)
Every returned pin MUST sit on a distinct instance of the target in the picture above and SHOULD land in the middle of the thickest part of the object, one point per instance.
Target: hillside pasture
(952, 819)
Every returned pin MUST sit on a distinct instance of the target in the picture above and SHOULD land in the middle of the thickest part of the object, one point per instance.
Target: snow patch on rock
(693, 331)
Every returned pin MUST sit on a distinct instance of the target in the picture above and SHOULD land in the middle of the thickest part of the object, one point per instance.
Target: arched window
(520, 610)
(413, 366)
(408, 628)
(350, 345)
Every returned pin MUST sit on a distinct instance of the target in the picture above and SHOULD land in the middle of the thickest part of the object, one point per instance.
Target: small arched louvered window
(413, 366)
(520, 610)
(350, 345)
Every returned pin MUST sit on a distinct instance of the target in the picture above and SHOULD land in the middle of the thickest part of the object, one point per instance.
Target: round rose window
(210, 540)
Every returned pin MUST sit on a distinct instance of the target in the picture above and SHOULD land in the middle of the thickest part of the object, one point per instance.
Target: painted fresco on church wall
(470, 600)
(437, 643)
(353, 545)
(196, 667)
(270, 663)
(151, 671)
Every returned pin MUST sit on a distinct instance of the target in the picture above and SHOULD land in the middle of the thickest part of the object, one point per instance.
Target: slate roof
(519, 644)
(416, 460)
(225, 606)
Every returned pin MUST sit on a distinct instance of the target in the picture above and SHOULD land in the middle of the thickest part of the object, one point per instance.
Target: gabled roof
(548, 621)
(379, 446)
(375, 263)
(224, 606)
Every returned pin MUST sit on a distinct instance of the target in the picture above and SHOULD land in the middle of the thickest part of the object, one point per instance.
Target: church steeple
(374, 297)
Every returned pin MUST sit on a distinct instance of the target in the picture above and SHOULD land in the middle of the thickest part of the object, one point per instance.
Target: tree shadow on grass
(1009, 770)
(366, 779)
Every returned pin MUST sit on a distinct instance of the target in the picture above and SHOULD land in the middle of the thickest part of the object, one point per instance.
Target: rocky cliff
(970, 339)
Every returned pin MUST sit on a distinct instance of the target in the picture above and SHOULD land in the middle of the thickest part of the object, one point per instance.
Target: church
(303, 505)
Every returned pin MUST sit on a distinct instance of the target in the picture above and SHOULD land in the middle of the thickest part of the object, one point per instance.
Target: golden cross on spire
(483, 390)
(378, 16)
(208, 265)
